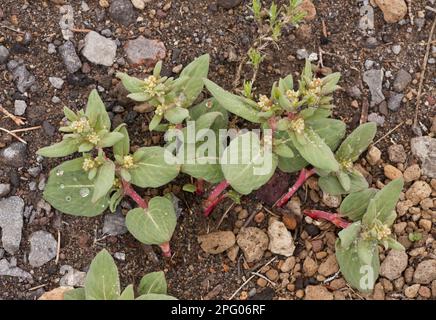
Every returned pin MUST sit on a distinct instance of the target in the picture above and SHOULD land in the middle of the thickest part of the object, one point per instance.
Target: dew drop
(62, 186)
(84, 192)
(68, 198)
(60, 173)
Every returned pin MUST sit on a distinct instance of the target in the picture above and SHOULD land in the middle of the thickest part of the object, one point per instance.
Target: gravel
(114, 224)
(11, 223)
(374, 79)
(99, 50)
(20, 107)
(122, 11)
(4, 54)
(280, 239)
(402, 80)
(43, 248)
(69, 56)
(424, 148)
(253, 243)
(56, 82)
(14, 155)
(142, 51)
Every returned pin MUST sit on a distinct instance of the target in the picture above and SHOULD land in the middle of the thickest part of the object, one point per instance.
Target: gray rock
(22, 77)
(425, 272)
(121, 256)
(302, 54)
(354, 92)
(424, 148)
(114, 224)
(56, 82)
(369, 64)
(280, 239)
(71, 277)
(43, 248)
(396, 49)
(419, 22)
(14, 155)
(374, 79)
(56, 100)
(4, 54)
(20, 107)
(371, 43)
(378, 119)
(366, 21)
(5, 188)
(106, 32)
(12, 271)
(122, 11)
(394, 101)
(51, 49)
(253, 243)
(11, 222)
(142, 51)
(99, 49)
(69, 56)
(84, 6)
(402, 80)
(397, 153)
(228, 4)
(394, 264)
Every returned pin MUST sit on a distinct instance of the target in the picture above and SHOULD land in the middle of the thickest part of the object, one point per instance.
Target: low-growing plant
(302, 133)
(372, 213)
(105, 172)
(169, 98)
(102, 282)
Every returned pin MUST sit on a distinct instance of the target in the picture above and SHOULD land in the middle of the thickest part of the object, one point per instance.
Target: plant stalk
(129, 191)
(215, 197)
(199, 187)
(331, 217)
(304, 175)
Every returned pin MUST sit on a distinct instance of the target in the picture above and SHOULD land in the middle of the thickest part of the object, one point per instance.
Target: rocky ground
(52, 53)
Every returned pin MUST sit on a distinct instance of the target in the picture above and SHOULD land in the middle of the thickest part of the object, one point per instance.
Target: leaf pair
(357, 245)
(347, 179)
(102, 283)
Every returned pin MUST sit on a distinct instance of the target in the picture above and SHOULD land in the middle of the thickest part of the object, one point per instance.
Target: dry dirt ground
(188, 29)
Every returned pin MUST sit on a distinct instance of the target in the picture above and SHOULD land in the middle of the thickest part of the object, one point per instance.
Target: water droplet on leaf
(84, 192)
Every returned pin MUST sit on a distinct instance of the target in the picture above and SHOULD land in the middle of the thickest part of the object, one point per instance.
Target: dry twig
(13, 134)
(18, 121)
(421, 79)
(389, 132)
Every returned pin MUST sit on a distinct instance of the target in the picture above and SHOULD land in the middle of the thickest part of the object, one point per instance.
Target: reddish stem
(129, 191)
(211, 205)
(166, 250)
(332, 217)
(304, 175)
(199, 187)
(214, 197)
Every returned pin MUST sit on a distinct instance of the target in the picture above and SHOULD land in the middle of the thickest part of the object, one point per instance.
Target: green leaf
(132, 84)
(209, 172)
(69, 190)
(155, 296)
(244, 164)
(157, 69)
(122, 147)
(152, 169)
(283, 151)
(85, 147)
(349, 234)
(332, 185)
(139, 96)
(60, 149)
(155, 121)
(358, 274)
(365, 250)
(386, 199)
(344, 180)
(357, 142)
(189, 188)
(111, 139)
(127, 294)
(104, 180)
(70, 114)
(154, 225)
(330, 130)
(355, 204)
(153, 282)
(75, 294)
(233, 103)
(196, 71)
(206, 121)
(115, 200)
(394, 244)
(102, 281)
(315, 151)
(210, 106)
(96, 111)
(371, 213)
(176, 115)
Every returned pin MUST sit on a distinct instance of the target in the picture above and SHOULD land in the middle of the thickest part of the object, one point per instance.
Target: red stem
(129, 191)
(304, 175)
(332, 217)
(200, 187)
(211, 205)
(166, 250)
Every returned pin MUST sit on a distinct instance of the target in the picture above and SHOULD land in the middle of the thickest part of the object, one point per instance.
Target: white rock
(280, 239)
(99, 50)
